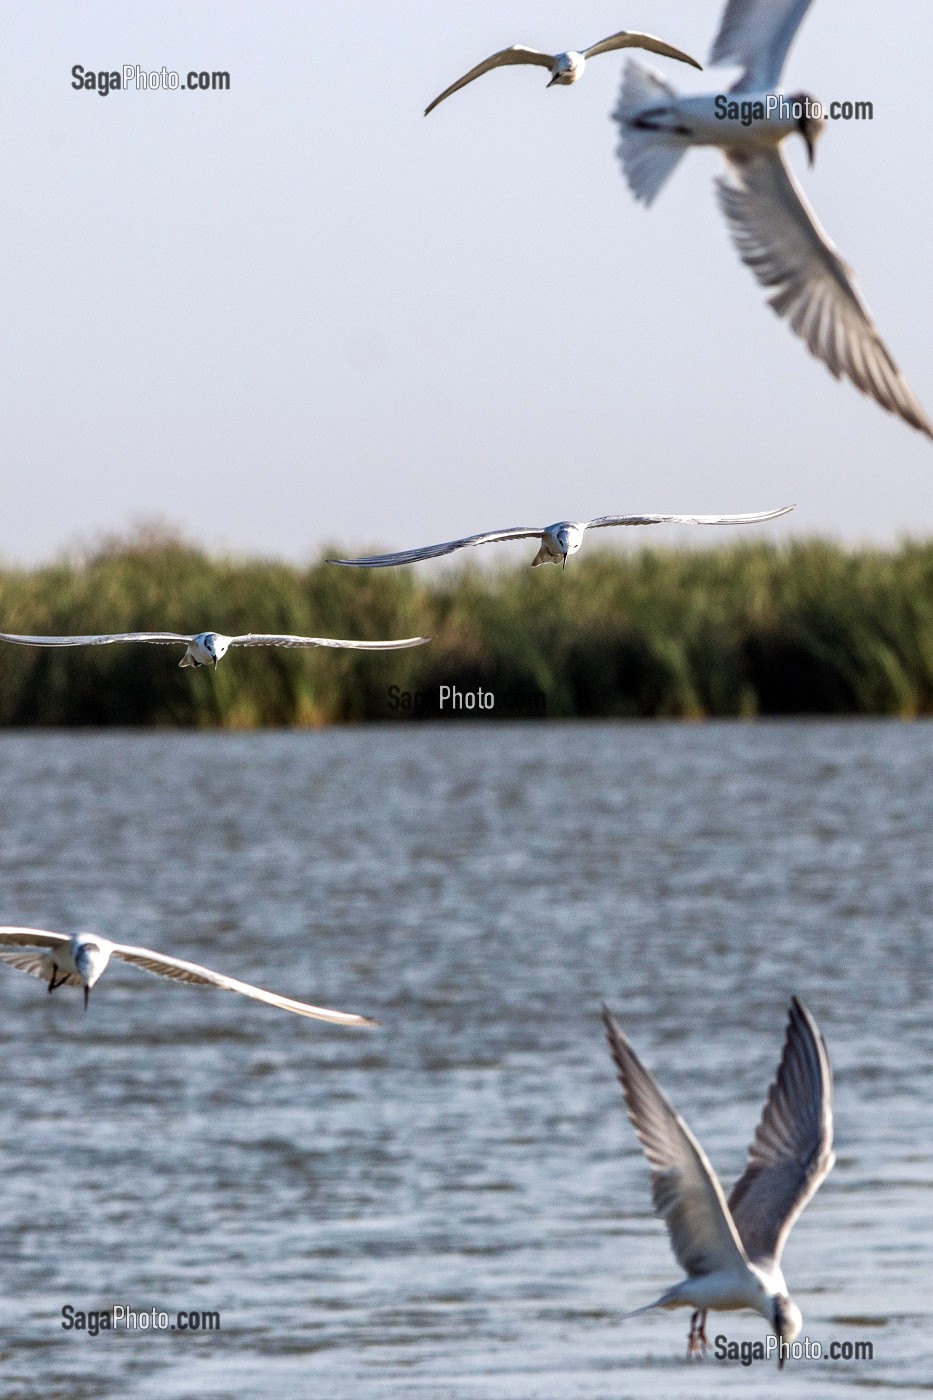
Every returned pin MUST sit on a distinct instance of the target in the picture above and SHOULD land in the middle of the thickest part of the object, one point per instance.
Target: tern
(206, 648)
(78, 960)
(565, 68)
(731, 1251)
(558, 541)
(773, 227)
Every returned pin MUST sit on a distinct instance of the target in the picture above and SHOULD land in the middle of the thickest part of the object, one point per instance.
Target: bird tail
(649, 151)
(187, 660)
(670, 1299)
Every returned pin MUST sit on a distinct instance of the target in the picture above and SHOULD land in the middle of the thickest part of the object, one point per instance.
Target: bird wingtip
(609, 1021)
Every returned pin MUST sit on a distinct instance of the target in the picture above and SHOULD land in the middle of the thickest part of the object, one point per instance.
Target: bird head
(569, 539)
(786, 1319)
(811, 121)
(90, 958)
(567, 69)
(215, 645)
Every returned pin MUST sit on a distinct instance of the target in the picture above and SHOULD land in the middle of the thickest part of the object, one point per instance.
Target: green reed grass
(747, 629)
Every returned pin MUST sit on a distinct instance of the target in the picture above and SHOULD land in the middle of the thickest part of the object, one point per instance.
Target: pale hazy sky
(298, 311)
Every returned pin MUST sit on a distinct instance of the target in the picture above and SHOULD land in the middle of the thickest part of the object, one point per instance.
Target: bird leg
(696, 1342)
(52, 982)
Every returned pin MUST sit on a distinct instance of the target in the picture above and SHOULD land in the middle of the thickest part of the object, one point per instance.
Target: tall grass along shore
(744, 630)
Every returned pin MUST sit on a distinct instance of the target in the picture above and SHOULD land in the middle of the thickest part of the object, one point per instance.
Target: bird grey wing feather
(631, 39)
(31, 937)
(602, 521)
(36, 964)
(516, 53)
(684, 1187)
(264, 639)
(778, 236)
(164, 966)
(758, 34)
(434, 551)
(100, 639)
(791, 1153)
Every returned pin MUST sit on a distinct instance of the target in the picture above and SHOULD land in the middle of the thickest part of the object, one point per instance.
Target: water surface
(454, 1205)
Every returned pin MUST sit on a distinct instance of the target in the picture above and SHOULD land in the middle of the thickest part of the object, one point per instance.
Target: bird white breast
(726, 1291)
(199, 651)
(551, 550)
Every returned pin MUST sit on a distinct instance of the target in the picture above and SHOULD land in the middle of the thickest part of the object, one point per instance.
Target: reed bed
(742, 630)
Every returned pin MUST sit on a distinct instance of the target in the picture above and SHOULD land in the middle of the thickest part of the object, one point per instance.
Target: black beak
(553, 81)
(564, 564)
(811, 148)
(87, 993)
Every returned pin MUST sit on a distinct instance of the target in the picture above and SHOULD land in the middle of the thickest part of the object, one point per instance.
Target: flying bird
(558, 541)
(773, 227)
(565, 68)
(78, 960)
(206, 648)
(731, 1251)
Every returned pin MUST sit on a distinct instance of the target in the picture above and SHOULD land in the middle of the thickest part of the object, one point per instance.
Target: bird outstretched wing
(164, 966)
(434, 551)
(13, 935)
(517, 53)
(631, 39)
(686, 1192)
(40, 965)
(99, 639)
(757, 34)
(791, 1153)
(275, 639)
(603, 520)
(778, 236)
(35, 962)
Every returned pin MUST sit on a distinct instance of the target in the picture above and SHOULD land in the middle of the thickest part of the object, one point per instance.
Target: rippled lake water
(455, 1205)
